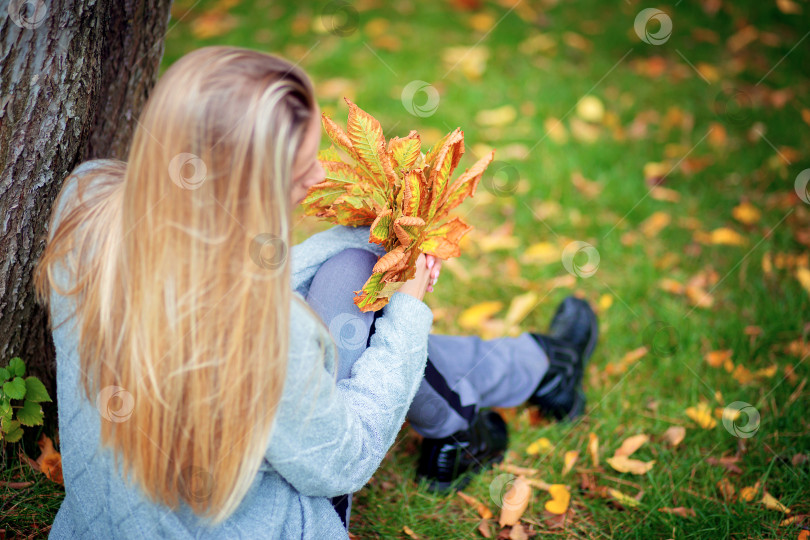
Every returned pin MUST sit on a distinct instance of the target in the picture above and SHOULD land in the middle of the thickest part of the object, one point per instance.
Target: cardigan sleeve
(328, 438)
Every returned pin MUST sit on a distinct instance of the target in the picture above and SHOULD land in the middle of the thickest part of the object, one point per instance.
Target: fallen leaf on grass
(590, 109)
(625, 500)
(626, 361)
(772, 503)
(674, 435)
(726, 489)
(679, 511)
(501, 116)
(520, 306)
(49, 461)
(588, 188)
(518, 532)
(593, 448)
(664, 194)
(480, 507)
(16, 485)
(746, 213)
(702, 416)
(569, 460)
(539, 484)
(655, 172)
(699, 297)
(797, 519)
(722, 236)
(407, 530)
(624, 464)
(560, 498)
(541, 253)
(803, 277)
(654, 224)
(727, 462)
(749, 493)
(717, 358)
(517, 470)
(485, 528)
(555, 130)
(742, 374)
(631, 444)
(474, 316)
(540, 445)
(515, 501)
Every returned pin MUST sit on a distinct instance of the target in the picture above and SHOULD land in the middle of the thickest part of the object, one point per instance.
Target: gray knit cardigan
(327, 439)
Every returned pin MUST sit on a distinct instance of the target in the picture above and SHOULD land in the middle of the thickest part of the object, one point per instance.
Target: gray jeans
(462, 375)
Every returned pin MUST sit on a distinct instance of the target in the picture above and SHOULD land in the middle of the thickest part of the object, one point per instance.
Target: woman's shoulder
(88, 176)
(102, 168)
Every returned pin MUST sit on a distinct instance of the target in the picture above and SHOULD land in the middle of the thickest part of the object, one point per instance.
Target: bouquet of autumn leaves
(403, 194)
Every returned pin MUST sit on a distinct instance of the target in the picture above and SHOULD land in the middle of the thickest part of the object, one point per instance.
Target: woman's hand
(417, 285)
(435, 264)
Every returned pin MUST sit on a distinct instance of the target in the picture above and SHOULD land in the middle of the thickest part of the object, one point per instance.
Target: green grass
(655, 392)
(741, 168)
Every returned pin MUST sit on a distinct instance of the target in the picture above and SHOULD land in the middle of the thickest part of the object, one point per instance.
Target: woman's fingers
(435, 266)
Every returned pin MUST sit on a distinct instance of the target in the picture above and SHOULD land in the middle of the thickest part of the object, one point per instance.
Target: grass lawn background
(683, 182)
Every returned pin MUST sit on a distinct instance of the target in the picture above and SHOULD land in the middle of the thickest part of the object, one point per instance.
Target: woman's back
(321, 444)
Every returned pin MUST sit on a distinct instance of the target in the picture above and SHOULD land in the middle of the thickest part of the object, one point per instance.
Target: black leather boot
(571, 339)
(442, 462)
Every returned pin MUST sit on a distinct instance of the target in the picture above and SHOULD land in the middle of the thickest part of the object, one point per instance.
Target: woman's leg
(463, 373)
(466, 373)
(331, 295)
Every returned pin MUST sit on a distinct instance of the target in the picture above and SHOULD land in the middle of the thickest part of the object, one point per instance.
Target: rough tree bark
(74, 75)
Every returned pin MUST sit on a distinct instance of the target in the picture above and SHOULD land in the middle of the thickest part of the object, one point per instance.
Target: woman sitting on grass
(205, 384)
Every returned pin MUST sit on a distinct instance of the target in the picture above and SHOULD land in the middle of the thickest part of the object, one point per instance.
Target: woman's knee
(352, 260)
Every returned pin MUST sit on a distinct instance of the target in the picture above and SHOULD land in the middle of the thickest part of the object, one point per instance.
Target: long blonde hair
(183, 292)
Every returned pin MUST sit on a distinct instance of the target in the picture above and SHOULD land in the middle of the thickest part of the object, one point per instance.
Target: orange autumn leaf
(717, 358)
(49, 461)
(631, 444)
(403, 195)
(515, 501)
(593, 448)
(480, 507)
(674, 435)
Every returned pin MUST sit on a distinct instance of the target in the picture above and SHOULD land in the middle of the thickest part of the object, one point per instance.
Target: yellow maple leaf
(560, 498)
(474, 316)
(702, 416)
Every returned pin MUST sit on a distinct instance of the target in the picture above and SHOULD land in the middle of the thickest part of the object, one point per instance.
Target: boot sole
(463, 480)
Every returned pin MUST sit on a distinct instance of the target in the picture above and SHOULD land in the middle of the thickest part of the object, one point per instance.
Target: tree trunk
(74, 76)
